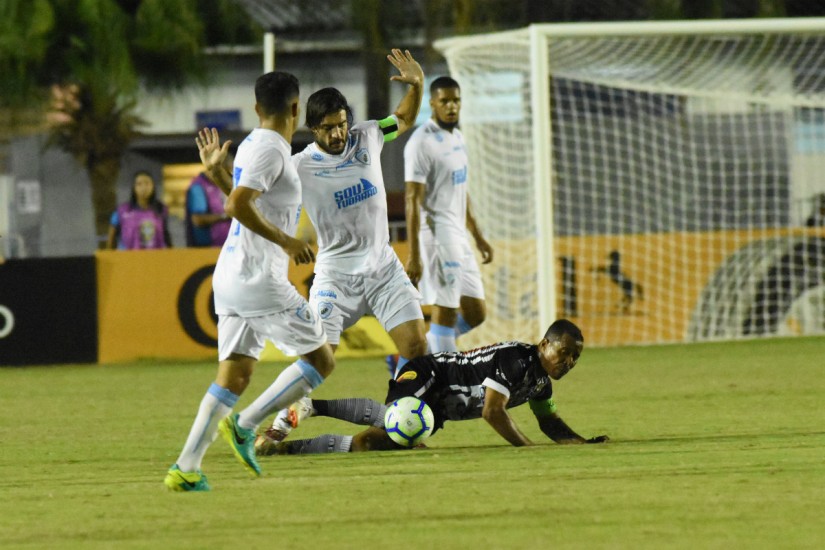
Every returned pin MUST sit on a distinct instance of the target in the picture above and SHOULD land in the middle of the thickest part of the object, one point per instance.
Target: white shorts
(295, 331)
(340, 300)
(450, 272)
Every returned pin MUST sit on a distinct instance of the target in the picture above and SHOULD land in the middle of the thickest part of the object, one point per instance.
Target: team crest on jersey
(363, 156)
(324, 309)
(409, 375)
(316, 156)
(304, 313)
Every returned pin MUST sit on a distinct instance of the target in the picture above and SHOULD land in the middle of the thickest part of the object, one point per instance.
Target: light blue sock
(462, 326)
(441, 338)
(295, 382)
(215, 406)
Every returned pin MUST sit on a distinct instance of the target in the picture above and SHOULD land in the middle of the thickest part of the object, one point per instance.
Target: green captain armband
(543, 408)
(389, 127)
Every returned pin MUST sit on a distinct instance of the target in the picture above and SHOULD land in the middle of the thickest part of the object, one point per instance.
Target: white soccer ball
(408, 421)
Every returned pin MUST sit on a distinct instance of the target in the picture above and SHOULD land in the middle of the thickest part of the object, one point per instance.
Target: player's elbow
(492, 414)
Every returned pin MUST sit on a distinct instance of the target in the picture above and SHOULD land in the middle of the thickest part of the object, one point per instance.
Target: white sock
(441, 338)
(215, 406)
(296, 381)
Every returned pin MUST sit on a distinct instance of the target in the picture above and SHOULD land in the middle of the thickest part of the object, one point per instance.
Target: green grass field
(718, 445)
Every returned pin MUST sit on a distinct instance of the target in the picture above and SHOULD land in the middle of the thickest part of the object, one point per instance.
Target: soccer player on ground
(438, 217)
(480, 383)
(253, 297)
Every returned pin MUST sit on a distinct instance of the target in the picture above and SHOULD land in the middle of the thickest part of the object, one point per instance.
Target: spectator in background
(817, 218)
(143, 221)
(206, 222)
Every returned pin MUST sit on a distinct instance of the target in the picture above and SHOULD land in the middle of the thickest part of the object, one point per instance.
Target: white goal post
(650, 181)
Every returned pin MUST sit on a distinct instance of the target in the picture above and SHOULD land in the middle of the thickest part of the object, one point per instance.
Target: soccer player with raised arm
(438, 214)
(253, 297)
(480, 383)
(357, 271)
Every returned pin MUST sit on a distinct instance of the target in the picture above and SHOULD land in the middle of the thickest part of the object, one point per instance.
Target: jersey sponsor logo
(409, 375)
(355, 194)
(327, 293)
(363, 156)
(452, 264)
(460, 176)
(325, 309)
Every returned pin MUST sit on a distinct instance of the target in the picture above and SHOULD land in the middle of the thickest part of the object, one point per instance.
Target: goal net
(652, 182)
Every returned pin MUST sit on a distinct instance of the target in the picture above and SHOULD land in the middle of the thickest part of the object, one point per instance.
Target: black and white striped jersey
(458, 380)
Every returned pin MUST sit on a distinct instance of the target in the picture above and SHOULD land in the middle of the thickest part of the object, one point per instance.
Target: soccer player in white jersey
(253, 297)
(438, 217)
(357, 272)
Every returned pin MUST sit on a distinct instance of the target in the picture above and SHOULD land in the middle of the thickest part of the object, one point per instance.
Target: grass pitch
(713, 445)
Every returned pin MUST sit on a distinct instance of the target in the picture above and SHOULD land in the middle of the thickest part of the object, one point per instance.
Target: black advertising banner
(48, 311)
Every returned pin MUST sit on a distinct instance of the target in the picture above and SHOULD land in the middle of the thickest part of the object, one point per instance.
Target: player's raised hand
(409, 71)
(299, 251)
(209, 148)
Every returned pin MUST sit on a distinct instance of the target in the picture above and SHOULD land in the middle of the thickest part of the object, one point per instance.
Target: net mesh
(684, 171)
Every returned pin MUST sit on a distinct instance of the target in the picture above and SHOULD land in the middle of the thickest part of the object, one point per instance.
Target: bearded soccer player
(480, 383)
(357, 272)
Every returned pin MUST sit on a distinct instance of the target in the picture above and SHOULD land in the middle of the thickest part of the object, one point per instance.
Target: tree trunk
(375, 59)
(103, 177)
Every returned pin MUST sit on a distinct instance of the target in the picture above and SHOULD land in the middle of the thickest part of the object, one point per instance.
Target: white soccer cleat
(300, 410)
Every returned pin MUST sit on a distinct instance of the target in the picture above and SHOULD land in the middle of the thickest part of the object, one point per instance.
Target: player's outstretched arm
(241, 206)
(213, 155)
(495, 413)
(557, 429)
(481, 243)
(409, 73)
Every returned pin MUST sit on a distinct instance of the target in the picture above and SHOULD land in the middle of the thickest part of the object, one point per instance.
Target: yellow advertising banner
(159, 304)
(641, 289)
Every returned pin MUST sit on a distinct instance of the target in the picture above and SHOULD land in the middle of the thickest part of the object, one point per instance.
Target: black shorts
(417, 379)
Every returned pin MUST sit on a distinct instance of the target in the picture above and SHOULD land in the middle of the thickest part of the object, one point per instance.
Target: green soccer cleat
(176, 480)
(242, 442)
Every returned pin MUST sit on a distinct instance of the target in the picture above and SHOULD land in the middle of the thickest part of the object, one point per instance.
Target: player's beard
(444, 125)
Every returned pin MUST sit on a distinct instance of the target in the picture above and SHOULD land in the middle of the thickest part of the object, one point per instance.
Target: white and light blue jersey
(250, 277)
(438, 159)
(345, 199)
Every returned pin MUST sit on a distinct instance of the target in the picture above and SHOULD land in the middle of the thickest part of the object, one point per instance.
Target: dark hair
(326, 101)
(443, 82)
(154, 203)
(275, 91)
(561, 327)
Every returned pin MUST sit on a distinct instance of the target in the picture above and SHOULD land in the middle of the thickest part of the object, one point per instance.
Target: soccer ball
(408, 421)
